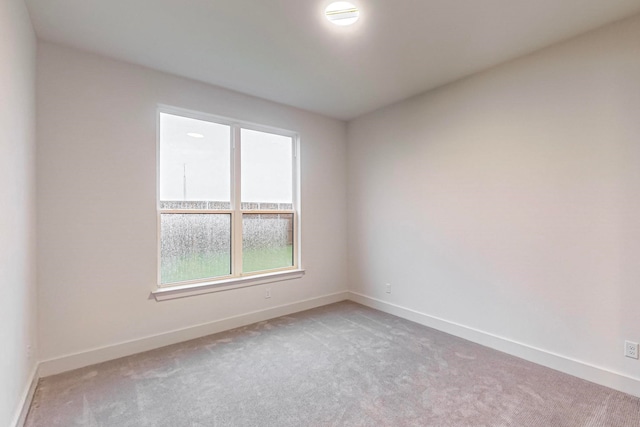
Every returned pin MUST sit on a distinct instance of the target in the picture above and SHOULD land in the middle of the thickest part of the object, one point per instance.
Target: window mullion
(236, 231)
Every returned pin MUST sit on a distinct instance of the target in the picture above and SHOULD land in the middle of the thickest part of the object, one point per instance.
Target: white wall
(96, 195)
(17, 216)
(509, 202)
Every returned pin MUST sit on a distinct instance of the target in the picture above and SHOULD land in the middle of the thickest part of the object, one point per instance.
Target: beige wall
(508, 203)
(17, 216)
(97, 190)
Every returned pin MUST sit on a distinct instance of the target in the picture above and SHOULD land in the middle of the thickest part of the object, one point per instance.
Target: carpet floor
(338, 365)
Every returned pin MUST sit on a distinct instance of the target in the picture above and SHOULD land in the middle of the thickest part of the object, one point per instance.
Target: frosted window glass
(194, 169)
(267, 241)
(267, 169)
(194, 246)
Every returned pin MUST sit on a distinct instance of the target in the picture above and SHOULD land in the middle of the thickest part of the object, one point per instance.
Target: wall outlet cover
(631, 349)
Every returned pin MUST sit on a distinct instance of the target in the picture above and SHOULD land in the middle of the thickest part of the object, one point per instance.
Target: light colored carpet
(339, 365)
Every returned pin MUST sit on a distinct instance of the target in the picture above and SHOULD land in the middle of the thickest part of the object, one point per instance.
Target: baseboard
(577, 368)
(103, 354)
(26, 399)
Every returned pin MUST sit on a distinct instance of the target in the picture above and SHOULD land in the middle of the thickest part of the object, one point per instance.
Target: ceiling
(285, 51)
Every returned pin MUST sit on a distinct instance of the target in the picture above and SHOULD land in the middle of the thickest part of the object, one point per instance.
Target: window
(226, 200)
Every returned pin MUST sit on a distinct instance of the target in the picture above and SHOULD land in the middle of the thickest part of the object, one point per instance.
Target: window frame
(236, 278)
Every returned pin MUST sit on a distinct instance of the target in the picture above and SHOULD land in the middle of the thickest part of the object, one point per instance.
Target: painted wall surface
(97, 202)
(508, 202)
(17, 216)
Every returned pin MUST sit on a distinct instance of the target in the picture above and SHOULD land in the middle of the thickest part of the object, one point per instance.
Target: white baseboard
(577, 368)
(26, 399)
(103, 354)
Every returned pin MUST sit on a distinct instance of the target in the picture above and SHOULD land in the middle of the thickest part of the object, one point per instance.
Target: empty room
(319, 213)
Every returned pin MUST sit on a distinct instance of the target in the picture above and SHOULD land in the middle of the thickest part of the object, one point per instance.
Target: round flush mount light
(195, 135)
(342, 13)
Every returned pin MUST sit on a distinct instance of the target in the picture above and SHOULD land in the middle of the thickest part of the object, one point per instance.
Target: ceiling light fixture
(195, 135)
(342, 13)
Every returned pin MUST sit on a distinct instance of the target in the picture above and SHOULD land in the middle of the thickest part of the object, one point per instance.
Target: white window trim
(182, 291)
(236, 279)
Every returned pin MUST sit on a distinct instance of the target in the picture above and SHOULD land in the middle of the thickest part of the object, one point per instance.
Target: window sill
(182, 291)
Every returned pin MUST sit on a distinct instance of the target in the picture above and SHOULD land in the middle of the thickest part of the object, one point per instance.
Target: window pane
(195, 164)
(267, 170)
(194, 205)
(268, 206)
(267, 241)
(194, 246)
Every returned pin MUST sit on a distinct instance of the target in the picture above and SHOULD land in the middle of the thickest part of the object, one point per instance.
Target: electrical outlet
(388, 288)
(267, 293)
(631, 349)
(29, 352)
